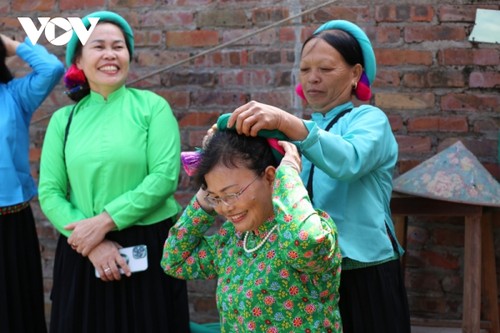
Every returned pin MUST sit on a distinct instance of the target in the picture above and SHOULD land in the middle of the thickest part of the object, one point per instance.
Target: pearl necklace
(258, 245)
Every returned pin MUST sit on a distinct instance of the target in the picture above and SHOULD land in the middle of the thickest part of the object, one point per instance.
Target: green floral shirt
(290, 284)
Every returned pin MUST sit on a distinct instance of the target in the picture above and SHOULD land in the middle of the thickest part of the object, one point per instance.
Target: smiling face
(326, 78)
(105, 59)
(254, 206)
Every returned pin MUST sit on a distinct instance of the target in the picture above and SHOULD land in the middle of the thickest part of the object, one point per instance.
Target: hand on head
(252, 117)
(292, 156)
(10, 45)
(208, 136)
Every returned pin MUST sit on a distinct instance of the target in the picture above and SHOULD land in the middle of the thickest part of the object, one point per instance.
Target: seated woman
(276, 259)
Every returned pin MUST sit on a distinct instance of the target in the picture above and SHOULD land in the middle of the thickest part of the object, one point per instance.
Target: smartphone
(136, 258)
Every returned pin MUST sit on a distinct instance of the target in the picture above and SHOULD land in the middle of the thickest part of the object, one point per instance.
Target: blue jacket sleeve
(31, 90)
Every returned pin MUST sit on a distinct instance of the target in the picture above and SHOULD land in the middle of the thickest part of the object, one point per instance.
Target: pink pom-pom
(363, 92)
(74, 77)
(273, 142)
(190, 161)
(299, 91)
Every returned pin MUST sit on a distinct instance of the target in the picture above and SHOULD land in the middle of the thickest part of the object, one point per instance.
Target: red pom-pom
(299, 91)
(74, 77)
(363, 92)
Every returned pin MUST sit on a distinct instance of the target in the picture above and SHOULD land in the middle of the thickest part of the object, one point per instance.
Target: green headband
(107, 17)
(361, 37)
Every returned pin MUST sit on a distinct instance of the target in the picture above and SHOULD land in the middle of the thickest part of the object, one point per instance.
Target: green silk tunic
(122, 155)
(290, 284)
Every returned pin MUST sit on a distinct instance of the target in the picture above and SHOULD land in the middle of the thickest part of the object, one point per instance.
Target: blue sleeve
(360, 142)
(31, 90)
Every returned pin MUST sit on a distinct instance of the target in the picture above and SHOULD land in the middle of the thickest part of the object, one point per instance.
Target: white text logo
(49, 26)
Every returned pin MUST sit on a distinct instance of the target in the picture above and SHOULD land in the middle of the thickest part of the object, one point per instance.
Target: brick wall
(435, 86)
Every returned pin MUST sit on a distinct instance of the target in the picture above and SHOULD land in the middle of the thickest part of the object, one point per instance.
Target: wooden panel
(429, 207)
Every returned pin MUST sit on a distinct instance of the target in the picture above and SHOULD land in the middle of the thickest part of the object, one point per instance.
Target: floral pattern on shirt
(290, 284)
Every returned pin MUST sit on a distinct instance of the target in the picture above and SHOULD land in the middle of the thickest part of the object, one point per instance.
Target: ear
(77, 63)
(357, 70)
(270, 174)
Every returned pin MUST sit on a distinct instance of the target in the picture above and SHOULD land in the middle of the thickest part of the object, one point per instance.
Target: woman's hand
(107, 260)
(200, 197)
(252, 117)
(211, 131)
(292, 156)
(10, 45)
(86, 234)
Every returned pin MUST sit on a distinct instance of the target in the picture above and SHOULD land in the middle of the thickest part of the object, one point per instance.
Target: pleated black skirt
(373, 300)
(21, 284)
(148, 301)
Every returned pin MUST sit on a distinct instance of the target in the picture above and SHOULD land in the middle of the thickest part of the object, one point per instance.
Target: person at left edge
(21, 283)
(109, 169)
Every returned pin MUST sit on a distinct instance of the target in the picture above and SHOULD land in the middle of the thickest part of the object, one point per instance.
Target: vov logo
(66, 25)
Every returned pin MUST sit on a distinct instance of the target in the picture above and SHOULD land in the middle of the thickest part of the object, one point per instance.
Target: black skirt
(373, 299)
(21, 284)
(148, 301)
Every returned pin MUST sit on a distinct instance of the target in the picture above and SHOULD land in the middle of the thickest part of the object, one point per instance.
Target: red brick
(359, 14)
(479, 147)
(404, 13)
(198, 38)
(388, 35)
(432, 79)
(392, 13)
(225, 18)
(396, 122)
(397, 57)
(287, 34)
(147, 38)
(470, 102)
(35, 154)
(387, 78)
(459, 13)
(4, 8)
(81, 4)
(178, 100)
(246, 77)
(413, 144)
(160, 58)
(244, 37)
(34, 6)
(164, 18)
(436, 33)
(406, 165)
(268, 15)
(199, 119)
(131, 3)
(441, 260)
(404, 101)
(483, 57)
(484, 80)
(449, 236)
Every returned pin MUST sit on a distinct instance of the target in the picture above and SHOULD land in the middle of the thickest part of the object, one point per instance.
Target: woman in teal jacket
(349, 154)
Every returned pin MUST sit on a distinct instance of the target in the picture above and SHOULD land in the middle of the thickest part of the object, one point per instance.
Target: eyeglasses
(228, 199)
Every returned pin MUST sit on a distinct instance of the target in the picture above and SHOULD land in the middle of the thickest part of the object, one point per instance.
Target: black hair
(233, 150)
(5, 74)
(80, 92)
(343, 42)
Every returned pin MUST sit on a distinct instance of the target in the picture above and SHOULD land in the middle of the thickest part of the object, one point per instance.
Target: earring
(355, 86)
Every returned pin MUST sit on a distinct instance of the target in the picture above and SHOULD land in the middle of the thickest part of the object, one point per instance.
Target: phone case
(136, 258)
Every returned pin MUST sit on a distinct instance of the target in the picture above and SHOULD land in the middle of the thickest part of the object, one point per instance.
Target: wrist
(107, 222)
